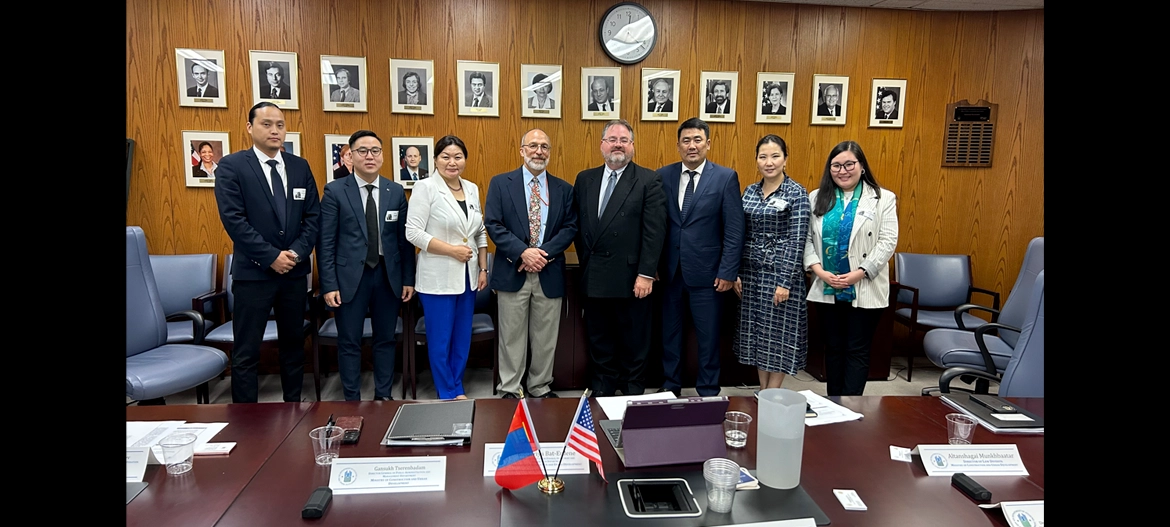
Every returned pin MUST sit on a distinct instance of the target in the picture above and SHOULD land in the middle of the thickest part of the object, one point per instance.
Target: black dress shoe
(675, 392)
(383, 398)
(510, 395)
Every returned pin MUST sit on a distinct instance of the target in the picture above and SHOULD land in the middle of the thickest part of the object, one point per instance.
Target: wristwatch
(483, 270)
(296, 257)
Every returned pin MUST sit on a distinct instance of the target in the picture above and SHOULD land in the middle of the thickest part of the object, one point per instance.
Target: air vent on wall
(970, 134)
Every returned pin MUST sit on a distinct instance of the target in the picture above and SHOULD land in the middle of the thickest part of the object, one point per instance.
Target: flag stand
(551, 485)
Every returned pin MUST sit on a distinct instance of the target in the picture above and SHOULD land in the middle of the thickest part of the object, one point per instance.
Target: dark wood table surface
(853, 455)
(201, 496)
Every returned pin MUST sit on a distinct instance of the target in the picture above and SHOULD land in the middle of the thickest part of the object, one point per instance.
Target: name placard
(345, 105)
(660, 114)
(374, 475)
(828, 118)
(972, 460)
(574, 462)
(412, 107)
(541, 111)
(136, 464)
(200, 99)
(718, 116)
(772, 117)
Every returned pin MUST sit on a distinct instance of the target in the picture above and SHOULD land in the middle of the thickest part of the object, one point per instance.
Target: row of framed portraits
(344, 82)
(411, 159)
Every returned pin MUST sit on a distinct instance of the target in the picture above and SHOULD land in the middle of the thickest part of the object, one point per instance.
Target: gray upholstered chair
(957, 347)
(154, 368)
(327, 336)
(1023, 376)
(186, 282)
(929, 287)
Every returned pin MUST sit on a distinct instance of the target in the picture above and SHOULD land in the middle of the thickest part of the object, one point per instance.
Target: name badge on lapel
(867, 214)
(299, 194)
(391, 215)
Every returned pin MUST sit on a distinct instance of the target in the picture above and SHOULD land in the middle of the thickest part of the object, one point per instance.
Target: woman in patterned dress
(773, 315)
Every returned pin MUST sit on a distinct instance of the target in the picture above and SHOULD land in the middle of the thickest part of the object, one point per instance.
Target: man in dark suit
(887, 104)
(701, 259)
(830, 97)
(276, 87)
(345, 91)
(202, 88)
(600, 99)
(478, 97)
(412, 92)
(531, 218)
(661, 101)
(412, 172)
(367, 264)
(268, 204)
(720, 103)
(621, 215)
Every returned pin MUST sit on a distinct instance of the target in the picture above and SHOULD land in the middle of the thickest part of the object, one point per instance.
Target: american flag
(582, 438)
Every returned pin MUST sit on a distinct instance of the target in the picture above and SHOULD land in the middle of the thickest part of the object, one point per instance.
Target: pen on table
(329, 426)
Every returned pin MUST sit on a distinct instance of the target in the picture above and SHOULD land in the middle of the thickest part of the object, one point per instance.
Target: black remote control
(318, 502)
(969, 487)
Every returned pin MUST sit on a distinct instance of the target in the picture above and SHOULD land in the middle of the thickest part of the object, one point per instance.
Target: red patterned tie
(534, 215)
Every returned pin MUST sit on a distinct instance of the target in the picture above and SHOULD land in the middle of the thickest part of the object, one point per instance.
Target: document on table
(828, 412)
(573, 463)
(147, 434)
(1020, 513)
(615, 407)
(203, 433)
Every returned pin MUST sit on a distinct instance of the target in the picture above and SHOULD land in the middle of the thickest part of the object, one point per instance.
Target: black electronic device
(969, 487)
(352, 424)
(318, 502)
(993, 403)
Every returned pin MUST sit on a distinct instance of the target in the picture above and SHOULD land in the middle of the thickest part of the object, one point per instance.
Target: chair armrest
(196, 322)
(993, 294)
(979, 333)
(948, 375)
(218, 301)
(198, 302)
(959, 311)
(897, 287)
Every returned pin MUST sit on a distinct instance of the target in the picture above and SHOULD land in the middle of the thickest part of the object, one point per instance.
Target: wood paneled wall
(988, 213)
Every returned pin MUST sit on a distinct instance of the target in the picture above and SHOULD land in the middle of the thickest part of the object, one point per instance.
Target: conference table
(270, 474)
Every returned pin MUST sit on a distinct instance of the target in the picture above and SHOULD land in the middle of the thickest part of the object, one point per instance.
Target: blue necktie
(688, 194)
(277, 191)
(608, 192)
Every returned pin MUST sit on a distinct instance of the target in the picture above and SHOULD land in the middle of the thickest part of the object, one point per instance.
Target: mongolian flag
(518, 466)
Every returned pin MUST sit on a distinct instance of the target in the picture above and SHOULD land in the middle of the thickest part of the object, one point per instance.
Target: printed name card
(972, 460)
(374, 475)
(574, 462)
(136, 464)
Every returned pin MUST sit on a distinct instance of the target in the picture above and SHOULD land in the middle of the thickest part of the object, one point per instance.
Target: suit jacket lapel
(353, 197)
(706, 182)
(516, 185)
(620, 193)
(670, 185)
(865, 203)
(384, 211)
(265, 184)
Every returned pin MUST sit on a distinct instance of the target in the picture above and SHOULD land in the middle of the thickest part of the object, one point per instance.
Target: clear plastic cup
(960, 429)
(722, 475)
(735, 428)
(326, 443)
(178, 452)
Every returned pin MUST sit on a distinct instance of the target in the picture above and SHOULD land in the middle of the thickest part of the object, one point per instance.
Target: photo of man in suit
(700, 262)
(412, 171)
(268, 204)
(412, 92)
(661, 102)
(540, 90)
(345, 91)
(621, 217)
(720, 102)
(273, 85)
(531, 218)
(600, 96)
(366, 263)
(203, 86)
(477, 96)
(887, 104)
(830, 100)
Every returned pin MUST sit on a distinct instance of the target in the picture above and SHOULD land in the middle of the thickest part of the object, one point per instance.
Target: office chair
(1024, 374)
(223, 337)
(929, 287)
(947, 348)
(154, 368)
(327, 336)
(186, 282)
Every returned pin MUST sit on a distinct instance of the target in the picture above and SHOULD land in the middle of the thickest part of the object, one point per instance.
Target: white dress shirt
(682, 181)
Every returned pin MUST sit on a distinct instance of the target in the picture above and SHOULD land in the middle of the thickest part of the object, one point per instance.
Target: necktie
(371, 228)
(608, 192)
(534, 214)
(476, 102)
(688, 193)
(277, 191)
(414, 176)
(275, 92)
(659, 108)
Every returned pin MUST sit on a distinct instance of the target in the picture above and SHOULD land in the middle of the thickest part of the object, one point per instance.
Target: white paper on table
(828, 412)
(973, 460)
(372, 475)
(1020, 513)
(615, 407)
(203, 433)
(135, 464)
(573, 463)
(141, 434)
(798, 522)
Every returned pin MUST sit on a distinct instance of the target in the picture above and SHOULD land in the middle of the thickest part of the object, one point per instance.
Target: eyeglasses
(367, 151)
(618, 140)
(847, 166)
(534, 146)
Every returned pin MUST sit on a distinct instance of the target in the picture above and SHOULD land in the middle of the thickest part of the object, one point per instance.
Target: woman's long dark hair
(826, 195)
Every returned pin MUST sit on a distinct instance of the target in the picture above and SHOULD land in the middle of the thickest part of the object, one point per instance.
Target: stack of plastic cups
(722, 476)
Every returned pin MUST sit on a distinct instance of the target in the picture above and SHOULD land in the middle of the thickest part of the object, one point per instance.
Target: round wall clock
(628, 32)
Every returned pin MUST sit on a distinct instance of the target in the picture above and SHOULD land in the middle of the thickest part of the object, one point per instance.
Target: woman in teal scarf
(851, 237)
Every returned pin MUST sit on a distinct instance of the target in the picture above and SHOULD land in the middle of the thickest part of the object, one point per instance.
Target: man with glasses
(530, 217)
(367, 264)
(830, 100)
(621, 212)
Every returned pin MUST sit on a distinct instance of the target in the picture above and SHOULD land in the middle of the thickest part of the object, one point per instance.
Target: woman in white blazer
(445, 220)
(851, 237)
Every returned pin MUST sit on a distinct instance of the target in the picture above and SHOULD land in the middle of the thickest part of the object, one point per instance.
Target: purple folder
(674, 431)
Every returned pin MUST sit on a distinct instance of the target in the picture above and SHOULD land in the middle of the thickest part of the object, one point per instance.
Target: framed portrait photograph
(717, 102)
(661, 87)
(274, 78)
(201, 76)
(292, 143)
(412, 86)
(885, 108)
(337, 160)
(601, 93)
(343, 83)
(540, 90)
(477, 88)
(830, 95)
(773, 102)
(412, 159)
(204, 150)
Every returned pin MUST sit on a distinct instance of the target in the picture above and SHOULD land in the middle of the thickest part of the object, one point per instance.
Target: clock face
(628, 33)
